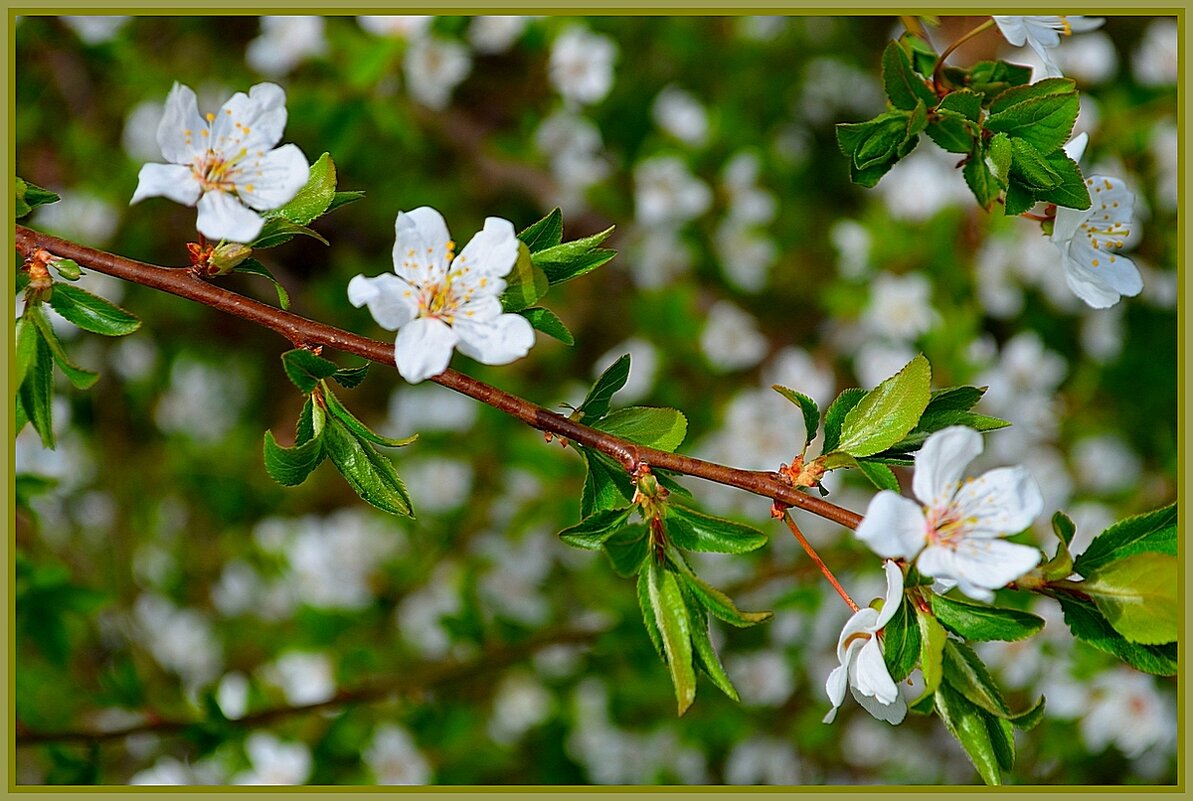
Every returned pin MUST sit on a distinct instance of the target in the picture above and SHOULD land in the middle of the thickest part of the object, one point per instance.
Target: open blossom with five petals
(954, 536)
(1090, 242)
(862, 667)
(1043, 33)
(438, 301)
(226, 162)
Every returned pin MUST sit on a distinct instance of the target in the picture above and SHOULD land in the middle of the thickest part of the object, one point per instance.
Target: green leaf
(887, 412)
(999, 155)
(675, 630)
(1002, 740)
(880, 475)
(343, 199)
(591, 532)
(596, 402)
(952, 132)
(1071, 191)
(314, 198)
(981, 181)
(1090, 626)
(341, 413)
(627, 550)
(877, 145)
(1060, 566)
(305, 369)
(903, 87)
(1139, 596)
(648, 615)
(78, 377)
(37, 392)
(30, 196)
(967, 674)
(932, 640)
(568, 260)
(606, 486)
(807, 406)
(368, 472)
(983, 623)
(718, 603)
(646, 425)
(958, 399)
(310, 422)
(279, 231)
(1049, 87)
(91, 312)
(1045, 122)
(350, 377)
(525, 283)
(1031, 169)
(835, 415)
(989, 78)
(1064, 527)
(1019, 198)
(933, 421)
(68, 269)
(545, 233)
(705, 654)
(254, 267)
(291, 466)
(923, 55)
(546, 321)
(1152, 532)
(1029, 719)
(26, 349)
(965, 102)
(696, 531)
(968, 724)
(901, 641)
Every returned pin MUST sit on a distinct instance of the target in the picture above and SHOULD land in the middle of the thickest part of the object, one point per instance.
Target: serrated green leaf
(952, 132)
(1030, 169)
(627, 550)
(1044, 122)
(835, 415)
(350, 377)
(965, 672)
(37, 392)
(310, 422)
(78, 377)
(313, 199)
(1064, 527)
(718, 603)
(1089, 625)
(1151, 532)
(254, 267)
(30, 196)
(1048, 87)
(932, 640)
(1018, 199)
(26, 349)
(1029, 719)
(279, 231)
(696, 531)
(648, 616)
(903, 87)
(546, 233)
(967, 723)
(999, 155)
(1071, 191)
(875, 141)
(340, 199)
(568, 260)
(1139, 596)
(965, 102)
(989, 78)
(901, 641)
(591, 532)
(705, 654)
(653, 427)
(596, 403)
(305, 370)
(549, 323)
(880, 475)
(291, 466)
(958, 399)
(808, 406)
(525, 283)
(675, 630)
(366, 471)
(888, 412)
(341, 413)
(606, 485)
(91, 312)
(981, 181)
(981, 623)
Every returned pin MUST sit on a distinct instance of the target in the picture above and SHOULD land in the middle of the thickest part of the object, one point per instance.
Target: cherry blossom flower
(438, 301)
(954, 536)
(433, 68)
(1089, 242)
(862, 667)
(1043, 33)
(581, 65)
(226, 162)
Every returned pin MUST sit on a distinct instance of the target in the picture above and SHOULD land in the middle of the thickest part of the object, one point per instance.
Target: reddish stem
(828, 574)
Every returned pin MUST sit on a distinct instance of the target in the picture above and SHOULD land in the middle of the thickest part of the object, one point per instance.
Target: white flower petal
(894, 594)
(941, 462)
(391, 301)
(979, 566)
(222, 216)
(855, 632)
(480, 310)
(423, 348)
(1068, 221)
(999, 502)
(492, 252)
(180, 133)
(892, 713)
(173, 181)
(273, 179)
(421, 245)
(894, 526)
(252, 122)
(835, 686)
(501, 341)
(1075, 149)
(870, 676)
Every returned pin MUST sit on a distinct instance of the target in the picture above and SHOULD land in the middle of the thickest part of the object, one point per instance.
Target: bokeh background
(162, 576)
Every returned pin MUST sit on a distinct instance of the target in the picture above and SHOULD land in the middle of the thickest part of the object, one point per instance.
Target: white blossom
(284, 43)
(433, 68)
(305, 677)
(666, 191)
(731, 339)
(1127, 711)
(762, 678)
(438, 301)
(1156, 59)
(900, 307)
(94, 28)
(394, 758)
(581, 65)
(495, 34)
(520, 703)
(226, 162)
(681, 115)
(763, 760)
(1091, 241)
(1043, 33)
(80, 215)
(955, 535)
(274, 762)
(397, 26)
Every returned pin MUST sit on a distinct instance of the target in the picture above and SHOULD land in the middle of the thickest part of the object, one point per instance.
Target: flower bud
(68, 269)
(226, 257)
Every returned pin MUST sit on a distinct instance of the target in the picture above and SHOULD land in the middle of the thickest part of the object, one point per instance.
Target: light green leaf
(807, 406)
(254, 267)
(340, 199)
(568, 260)
(546, 233)
(546, 321)
(887, 412)
(968, 724)
(606, 485)
(591, 532)
(965, 102)
(999, 155)
(932, 640)
(314, 198)
(671, 615)
(341, 413)
(1030, 169)
(981, 180)
(646, 425)
(648, 615)
(305, 369)
(717, 602)
(596, 402)
(310, 422)
(1150, 532)
(91, 312)
(1139, 595)
(30, 196)
(68, 269)
(26, 349)
(36, 392)
(967, 674)
(291, 466)
(366, 471)
(279, 231)
(696, 531)
(1089, 625)
(525, 283)
(78, 377)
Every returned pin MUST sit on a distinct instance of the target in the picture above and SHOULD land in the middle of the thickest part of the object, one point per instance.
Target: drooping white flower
(955, 535)
(438, 301)
(226, 162)
(1043, 33)
(433, 68)
(581, 65)
(1090, 241)
(862, 667)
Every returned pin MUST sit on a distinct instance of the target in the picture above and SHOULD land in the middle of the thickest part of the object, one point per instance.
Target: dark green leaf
(807, 406)
(305, 369)
(901, 641)
(591, 532)
(310, 422)
(525, 283)
(965, 102)
(78, 377)
(568, 260)
(1002, 741)
(984, 623)
(981, 181)
(606, 486)
(1089, 625)
(717, 602)
(291, 466)
(37, 392)
(545, 233)
(879, 474)
(546, 321)
(835, 415)
(596, 402)
(358, 428)
(1049, 87)
(648, 616)
(1071, 191)
(967, 723)
(1029, 719)
(1152, 532)
(254, 267)
(313, 199)
(30, 196)
(957, 399)
(903, 87)
(368, 472)
(1044, 122)
(1139, 596)
(627, 550)
(952, 132)
(343, 199)
(1019, 198)
(888, 412)
(1063, 525)
(91, 312)
(1030, 169)
(26, 349)
(279, 231)
(696, 531)
(705, 654)
(350, 377)
(646, 425)
(967, 674)
(675, 630)
(989, 78)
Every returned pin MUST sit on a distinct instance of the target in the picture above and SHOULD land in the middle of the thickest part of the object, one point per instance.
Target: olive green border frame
(602, 8)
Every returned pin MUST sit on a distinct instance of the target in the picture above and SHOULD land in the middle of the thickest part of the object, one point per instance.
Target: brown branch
(303, 332)
(435, 674)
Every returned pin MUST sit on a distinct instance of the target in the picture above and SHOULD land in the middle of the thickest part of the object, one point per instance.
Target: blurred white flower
(644, 366)
(95, 29)
(574, 148)
(419, 615)
(332, 559)
(1025, 367)
(1090, 59)
(80, 215)
(876, 360)
(181, 640)
(763, 760)
(795, 368)
(1126, 710)
(1102, 334)
(900, 307)
(656, 255)
(133, 358)
(440, 484)
(923, 184)
(731, 339)
(1164, 149)
(853, 243)
(761, 28)
(1156, 59)
(202, 401)
(513, 584)
(748, 202)
(433, 68)
(140, 131)
(166, 771)
(1043, 33)
(1104, 463)
(519, 704)
(233, 695)
(746, 254)
(1090, 242)
(305, 677)
(238, 589)
(666, 191)
(274, 762)
(394, 758)
(762, 678)
(833, 91)
(680, 114)
(495, 34)
(399, 27)
(284, 43)
(581, 65)
(428, 408)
